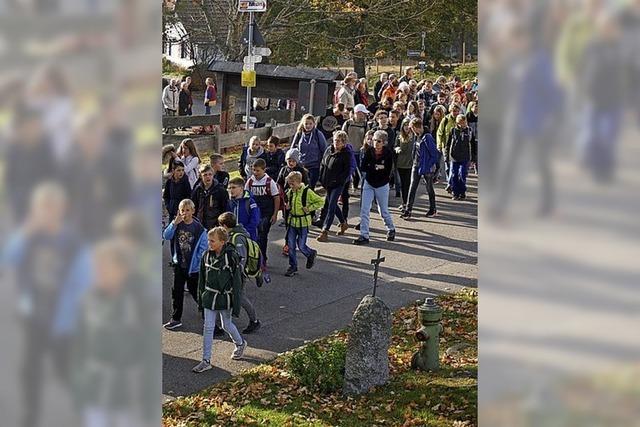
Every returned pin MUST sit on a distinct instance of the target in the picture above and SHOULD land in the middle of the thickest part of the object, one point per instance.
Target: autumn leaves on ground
(303, 387)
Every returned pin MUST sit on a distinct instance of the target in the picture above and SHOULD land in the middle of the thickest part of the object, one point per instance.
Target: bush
(319, 368)
(467, 71)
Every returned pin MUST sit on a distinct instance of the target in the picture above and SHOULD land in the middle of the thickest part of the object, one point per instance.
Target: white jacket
(191, 164)
(170, 97)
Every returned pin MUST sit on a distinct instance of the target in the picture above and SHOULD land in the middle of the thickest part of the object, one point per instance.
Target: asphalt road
(429, 256)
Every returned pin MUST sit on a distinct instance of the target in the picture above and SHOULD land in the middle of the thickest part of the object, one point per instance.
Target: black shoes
(391, 236)
(291, 272)
(311, 260)
(361, 241)
(406, 215)
(252, 327)
(432, 212)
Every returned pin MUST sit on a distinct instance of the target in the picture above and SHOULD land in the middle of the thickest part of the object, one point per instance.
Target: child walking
(460, 149)
(244, 207)
(186, 230)
(301, 201)
(219, 287)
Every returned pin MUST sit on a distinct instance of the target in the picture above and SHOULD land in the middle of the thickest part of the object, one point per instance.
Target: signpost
(413, 53)
(254, 55)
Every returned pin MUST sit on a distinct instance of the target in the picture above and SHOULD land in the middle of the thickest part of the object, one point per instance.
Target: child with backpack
(250, 260)
(186, 230)
(244, 207)
(301, 201)
(292, 165)
(267, 195)
(219, 287)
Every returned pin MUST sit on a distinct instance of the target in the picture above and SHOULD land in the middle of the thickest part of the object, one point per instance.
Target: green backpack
(253, 266)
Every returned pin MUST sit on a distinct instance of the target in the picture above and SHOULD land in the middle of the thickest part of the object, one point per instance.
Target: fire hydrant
(427, 357)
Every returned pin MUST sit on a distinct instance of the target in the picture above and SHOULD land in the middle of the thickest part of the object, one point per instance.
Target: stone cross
(377, 261)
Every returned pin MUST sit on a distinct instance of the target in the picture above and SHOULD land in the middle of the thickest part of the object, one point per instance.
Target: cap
(360, 108)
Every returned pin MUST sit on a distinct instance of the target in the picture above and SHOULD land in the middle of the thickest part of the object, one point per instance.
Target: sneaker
(311, 260)
(391, 236)
(357, 227)
(455, 197)
(432, 212)
(259, 281)
(462, 196)
(317, 223)
(401, 208)
(291, 272)
(203, 366)
(239, 351)
(406, 215)
(218, 332)
(172, 324)
(266, 277)
(252, 327)
(343, 229)
(323, 237)
(361, 241)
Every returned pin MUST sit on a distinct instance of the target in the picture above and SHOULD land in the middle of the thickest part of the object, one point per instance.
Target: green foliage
(467, 71)
(172, 69)
(319, 368)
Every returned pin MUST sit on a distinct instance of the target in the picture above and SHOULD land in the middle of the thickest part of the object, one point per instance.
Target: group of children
(218, 231)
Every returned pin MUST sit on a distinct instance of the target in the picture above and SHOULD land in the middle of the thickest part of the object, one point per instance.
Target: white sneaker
(239, 351)
(203, 366)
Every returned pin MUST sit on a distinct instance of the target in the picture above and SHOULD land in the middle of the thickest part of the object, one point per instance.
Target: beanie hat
(294, 154)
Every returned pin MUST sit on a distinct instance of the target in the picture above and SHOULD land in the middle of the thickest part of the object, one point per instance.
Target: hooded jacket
(444, 130)
(275, 161)
(297, 217)
(247, 212)
(286, 170)
(311, 146)
(220, 280)
(247, 160)
(174, 192)
(428, 156)
(335, 168)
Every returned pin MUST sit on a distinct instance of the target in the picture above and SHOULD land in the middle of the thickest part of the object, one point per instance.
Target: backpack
(268, 184)
(253, 265)
(305, 190)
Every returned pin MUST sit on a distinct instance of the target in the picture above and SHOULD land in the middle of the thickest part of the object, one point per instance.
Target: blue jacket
(354, 163)
(170, 231)
(198, 251)
(428, 154)
(311, 149)
(247, 212)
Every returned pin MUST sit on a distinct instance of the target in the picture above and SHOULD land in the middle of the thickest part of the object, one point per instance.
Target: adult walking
(312, 145)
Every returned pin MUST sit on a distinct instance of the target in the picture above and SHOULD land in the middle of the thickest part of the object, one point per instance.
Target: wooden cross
(377, 263)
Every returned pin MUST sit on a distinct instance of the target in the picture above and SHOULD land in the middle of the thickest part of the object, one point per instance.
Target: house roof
(278, 71)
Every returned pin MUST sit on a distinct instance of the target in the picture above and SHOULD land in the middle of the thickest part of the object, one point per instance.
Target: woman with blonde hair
(312, 144)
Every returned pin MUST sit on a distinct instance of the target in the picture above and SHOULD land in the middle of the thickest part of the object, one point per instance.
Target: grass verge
(271, 394)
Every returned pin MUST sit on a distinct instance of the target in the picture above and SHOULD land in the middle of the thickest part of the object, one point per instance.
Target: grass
(271, 395)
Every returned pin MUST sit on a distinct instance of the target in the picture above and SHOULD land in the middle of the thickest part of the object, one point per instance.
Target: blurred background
(558, 228)
(80, 213)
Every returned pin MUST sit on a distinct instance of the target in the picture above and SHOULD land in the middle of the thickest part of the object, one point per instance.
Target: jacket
(286, 170)
(191, 168)
(377, 169)
(170, 97)
(444, 130)
(297, 217)
(353, 162)
(428, 156)
(210, 203)
(247, 212)
(220, 280)
(171, 230)
(183, 103)
(404, 159)
(275, 161)
(355, 132)
(174, 192)
(312, 147)
(461, 146)
(346, 96)
(203, 245)
(335, 168)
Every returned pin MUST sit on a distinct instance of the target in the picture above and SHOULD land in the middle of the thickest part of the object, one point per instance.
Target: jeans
(405, 184)
(357, 174)
(381, 194)
(397, 182)
(207, 110)
(247, 305)
(263, 236)
(314, 175)
(458, 177)
(180, 276)
(332, 208)
(209, 324)
(415, 181)
(345, 204)
(298, 237)
(444, 167)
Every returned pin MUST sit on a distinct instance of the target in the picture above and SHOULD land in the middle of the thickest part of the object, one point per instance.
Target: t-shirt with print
(186, 238)
(263, 191)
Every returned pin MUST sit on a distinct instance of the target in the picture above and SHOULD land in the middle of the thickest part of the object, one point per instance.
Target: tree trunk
(358, 67)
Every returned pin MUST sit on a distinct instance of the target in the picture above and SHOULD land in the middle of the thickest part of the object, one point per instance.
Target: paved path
(429, 256)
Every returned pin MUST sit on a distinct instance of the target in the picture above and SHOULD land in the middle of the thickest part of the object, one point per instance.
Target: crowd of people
(218, 227)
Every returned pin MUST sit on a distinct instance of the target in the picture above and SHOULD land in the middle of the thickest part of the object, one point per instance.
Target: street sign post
(413, 53)
(248, 79)
(261, 51)
(252, 59)
(252, 6)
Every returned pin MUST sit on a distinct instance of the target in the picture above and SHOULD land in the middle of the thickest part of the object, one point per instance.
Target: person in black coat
(274, 157)
(335, 170)
(210, 199)
(176, 189)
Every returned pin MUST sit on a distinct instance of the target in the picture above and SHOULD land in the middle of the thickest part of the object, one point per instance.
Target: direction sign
(413, 53)
(263, 51)
(252, 59)
(252, 6)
